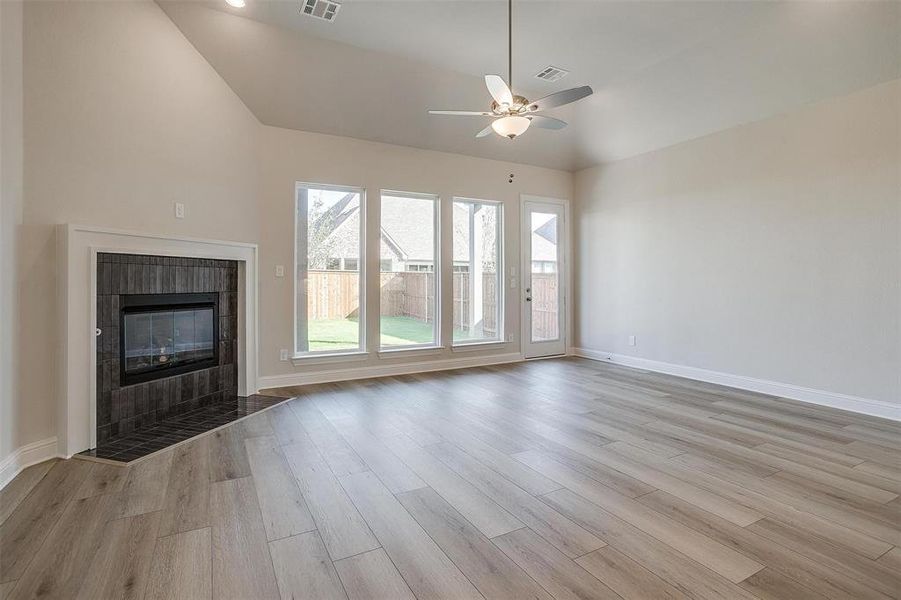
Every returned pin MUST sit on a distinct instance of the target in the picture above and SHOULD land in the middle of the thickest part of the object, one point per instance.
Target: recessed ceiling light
(236, 3)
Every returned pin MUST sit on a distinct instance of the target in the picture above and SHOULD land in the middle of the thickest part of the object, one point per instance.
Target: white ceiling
(663, 72)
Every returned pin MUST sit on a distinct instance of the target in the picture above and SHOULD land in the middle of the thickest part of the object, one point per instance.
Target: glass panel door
(543, 283)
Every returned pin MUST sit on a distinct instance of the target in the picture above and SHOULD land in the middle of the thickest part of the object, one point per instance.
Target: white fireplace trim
(77, 248)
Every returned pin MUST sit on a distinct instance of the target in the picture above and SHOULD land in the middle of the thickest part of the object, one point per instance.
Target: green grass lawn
(341, 334)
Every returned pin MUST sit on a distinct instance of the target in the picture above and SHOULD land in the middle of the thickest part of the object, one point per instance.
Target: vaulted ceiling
(663, 72)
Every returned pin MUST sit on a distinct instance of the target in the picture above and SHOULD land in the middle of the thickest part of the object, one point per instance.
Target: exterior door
(543, 279)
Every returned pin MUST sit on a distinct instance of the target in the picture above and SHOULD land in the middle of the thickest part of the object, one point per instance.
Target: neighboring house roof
(403, 238)
(544, 241)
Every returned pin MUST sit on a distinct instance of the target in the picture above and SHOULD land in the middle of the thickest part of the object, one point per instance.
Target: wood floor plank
(61, 564)
(394, 473)
(228, 456)
(769, 584)
(626, 577)
(285, 424)
(121, 566)
(868, 572)
(284, 510)
(879, 470)
(145, 486)
(571, 539)
(256, 425)
(476, 507)
(815, 576)
(532, 482)
(372, 576)
(187, 503)
(23, 532)
(551, 568)
(103, 479)
(341, 526)
(853, 474)
(19, 488)
(340, 457)
(303, 568)
(181, 568)
(731, 511)
(241, 564)
(725, 561)
(661, 559)
(425, 567)
(835, 477)
(489, 569)
(892, 559)
(622, 483)
(738, 487)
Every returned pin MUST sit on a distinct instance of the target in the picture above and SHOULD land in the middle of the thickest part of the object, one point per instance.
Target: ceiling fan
(513, 114)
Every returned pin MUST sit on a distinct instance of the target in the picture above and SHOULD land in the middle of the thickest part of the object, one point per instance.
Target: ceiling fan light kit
(510, 127)
(513, 114)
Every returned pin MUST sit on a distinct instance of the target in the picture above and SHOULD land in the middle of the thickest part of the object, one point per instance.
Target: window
(328, 254)
(478, 269)
(408, 296)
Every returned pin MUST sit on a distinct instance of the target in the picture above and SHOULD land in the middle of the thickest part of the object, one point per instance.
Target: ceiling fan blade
(546, 122)
(560, 98)
(460, 113)
(499, 90)
(484, 132)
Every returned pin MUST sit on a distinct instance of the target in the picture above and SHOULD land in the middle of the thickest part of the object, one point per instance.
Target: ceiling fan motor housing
(520, 104)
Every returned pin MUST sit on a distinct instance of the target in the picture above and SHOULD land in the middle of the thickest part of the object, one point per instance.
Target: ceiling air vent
(321, 9)
(550, 73)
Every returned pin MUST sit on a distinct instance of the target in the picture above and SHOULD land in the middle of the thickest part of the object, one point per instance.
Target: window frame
(500, 338)
(362, 348)
(437, 271)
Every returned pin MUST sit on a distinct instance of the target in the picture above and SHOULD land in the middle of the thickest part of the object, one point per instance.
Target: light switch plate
(283, 355)
(179, 210)
(279, 270)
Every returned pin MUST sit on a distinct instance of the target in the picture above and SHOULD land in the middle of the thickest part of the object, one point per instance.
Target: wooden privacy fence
(335, 295)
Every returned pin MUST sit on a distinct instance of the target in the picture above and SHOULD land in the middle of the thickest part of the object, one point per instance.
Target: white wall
(10, 218)
(769, 250)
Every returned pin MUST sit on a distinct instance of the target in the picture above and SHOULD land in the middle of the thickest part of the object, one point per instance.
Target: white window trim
(436, 344)
(330, 355)
(327, 356)
(500, 338)
(412, 350)
(477, 345)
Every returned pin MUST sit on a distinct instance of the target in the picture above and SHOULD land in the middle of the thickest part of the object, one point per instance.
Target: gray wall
(769, 250)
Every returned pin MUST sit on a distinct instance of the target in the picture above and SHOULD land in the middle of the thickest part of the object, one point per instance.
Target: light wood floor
(551, 479)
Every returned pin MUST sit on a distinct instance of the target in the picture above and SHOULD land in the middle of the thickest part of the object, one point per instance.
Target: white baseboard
(24, 457)
(445, 364)
(866, 406)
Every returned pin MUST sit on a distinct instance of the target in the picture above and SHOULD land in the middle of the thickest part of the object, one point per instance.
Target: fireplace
(161, 335)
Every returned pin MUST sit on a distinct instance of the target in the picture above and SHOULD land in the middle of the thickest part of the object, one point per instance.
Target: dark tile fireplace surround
(178, 318)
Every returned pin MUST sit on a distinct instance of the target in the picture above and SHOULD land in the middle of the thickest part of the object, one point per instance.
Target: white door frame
(565, 273)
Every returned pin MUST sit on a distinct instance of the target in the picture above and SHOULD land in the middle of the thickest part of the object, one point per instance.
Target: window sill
(411, 351)
(476, 346)
(328, 357)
